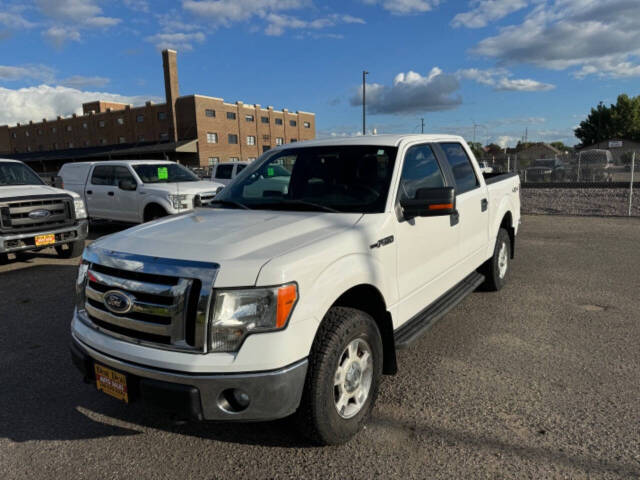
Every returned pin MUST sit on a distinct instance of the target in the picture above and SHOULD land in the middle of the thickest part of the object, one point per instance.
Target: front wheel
(70, 250)
(345, 367)
(496, 268)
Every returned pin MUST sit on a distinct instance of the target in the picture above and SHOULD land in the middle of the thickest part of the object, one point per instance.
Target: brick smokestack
(170, 66)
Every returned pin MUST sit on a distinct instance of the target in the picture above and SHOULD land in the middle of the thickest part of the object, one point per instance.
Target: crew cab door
(126, 202)
(472, 202)
(427, 247)
(100, 191)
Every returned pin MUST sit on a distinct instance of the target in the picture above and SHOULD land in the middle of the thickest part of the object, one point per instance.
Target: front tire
(70, 250)
(154, 212)
(496, 269)
(345, 367)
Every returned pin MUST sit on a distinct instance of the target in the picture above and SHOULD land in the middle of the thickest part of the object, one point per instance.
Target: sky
(485, 69)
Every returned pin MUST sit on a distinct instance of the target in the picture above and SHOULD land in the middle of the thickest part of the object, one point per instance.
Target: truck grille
(207, 197)
(55, 212)
(162, 309)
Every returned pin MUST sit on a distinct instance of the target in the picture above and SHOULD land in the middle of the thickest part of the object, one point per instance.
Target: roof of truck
(9, 160)
(390, 140)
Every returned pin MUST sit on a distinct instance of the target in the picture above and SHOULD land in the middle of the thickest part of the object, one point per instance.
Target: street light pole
(364, 101)
(422, 122)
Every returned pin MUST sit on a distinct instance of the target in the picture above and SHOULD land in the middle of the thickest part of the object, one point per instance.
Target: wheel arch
(507, 224)
(151, 204)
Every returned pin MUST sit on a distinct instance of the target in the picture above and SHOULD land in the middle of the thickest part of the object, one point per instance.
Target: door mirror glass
(127, 185)
(430, 202)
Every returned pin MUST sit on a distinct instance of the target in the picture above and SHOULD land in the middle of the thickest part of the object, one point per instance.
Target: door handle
(484, 204)
(454, 219)
(111, 194)
(89, 192)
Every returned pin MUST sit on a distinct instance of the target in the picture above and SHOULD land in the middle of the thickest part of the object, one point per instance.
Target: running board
(423, 321)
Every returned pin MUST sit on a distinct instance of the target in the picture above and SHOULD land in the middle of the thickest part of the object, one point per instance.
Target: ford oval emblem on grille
(39, 214)
(118, 302)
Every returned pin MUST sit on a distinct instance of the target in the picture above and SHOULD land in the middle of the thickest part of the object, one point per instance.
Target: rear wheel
(345, 367)
(496, 268)
(70, 250)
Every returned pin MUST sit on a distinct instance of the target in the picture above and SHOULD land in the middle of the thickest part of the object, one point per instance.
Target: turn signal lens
(287, 297)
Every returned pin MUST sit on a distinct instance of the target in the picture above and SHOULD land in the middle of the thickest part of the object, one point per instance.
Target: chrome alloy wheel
(353, 377)
(503, 260)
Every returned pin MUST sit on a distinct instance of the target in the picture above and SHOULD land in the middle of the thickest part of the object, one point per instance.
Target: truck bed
(494, 177)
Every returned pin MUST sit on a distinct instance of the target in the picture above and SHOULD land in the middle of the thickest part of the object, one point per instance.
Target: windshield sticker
(270, 172)
(163, 173)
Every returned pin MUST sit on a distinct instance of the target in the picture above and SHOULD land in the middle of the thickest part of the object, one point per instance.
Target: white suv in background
(225, 172)
(136, 191)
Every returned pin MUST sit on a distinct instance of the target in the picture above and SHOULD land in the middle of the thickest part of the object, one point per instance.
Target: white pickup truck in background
(136, 191)
(292, 292)
(34, 216)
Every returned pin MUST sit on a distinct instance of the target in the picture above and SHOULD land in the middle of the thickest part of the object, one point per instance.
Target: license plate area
(48, 239)
(111, 382)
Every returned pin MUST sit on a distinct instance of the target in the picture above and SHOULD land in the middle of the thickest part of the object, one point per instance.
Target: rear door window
(224, 171)
(103, 175)
(463, 172)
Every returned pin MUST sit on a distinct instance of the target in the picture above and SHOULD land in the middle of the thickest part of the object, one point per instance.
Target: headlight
(81, 210)
(81, 283)
(178, 201)
(237, 313)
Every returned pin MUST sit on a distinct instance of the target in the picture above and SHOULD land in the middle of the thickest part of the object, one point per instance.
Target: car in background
(34, 215)
(594, 165)
(137, 191)
(225, 172)
(485, 167)
(546, 170)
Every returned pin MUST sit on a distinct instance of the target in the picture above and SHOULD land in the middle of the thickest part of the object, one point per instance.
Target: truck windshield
(18, 174)
(352, 178)
(164, 173)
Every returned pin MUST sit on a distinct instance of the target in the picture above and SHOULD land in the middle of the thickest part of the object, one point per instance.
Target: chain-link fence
(588, 181)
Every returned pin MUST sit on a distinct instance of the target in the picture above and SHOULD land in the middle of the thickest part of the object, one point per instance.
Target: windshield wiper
(230, 202)
(311, 204)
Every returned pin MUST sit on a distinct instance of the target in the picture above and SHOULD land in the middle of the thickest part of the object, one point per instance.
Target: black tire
(4, 258)
(70, 250)
(494, 280)
(317, 417)
(153, 212)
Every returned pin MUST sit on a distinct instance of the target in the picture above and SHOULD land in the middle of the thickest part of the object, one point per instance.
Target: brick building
(195, 130)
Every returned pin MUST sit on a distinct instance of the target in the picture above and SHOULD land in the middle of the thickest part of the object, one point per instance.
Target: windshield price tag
(270, 172)
(163, 173)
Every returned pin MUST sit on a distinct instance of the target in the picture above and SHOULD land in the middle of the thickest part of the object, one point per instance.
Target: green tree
(619, 120)
(560, 146)
(476, 148)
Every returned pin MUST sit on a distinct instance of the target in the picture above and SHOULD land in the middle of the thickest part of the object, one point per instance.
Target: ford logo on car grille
(118, 302)
(39, 214)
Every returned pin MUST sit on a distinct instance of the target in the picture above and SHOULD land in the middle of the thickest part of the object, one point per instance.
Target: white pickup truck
(136, 191)
(34, 216)
(295, 300)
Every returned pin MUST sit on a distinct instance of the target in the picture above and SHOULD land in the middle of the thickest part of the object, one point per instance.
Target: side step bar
(423, 321)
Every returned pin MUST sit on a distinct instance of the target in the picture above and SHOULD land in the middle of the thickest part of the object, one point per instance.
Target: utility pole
(422, 123)
(364, 101)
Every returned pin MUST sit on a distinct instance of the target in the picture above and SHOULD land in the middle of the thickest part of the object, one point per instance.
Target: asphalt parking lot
(539, 380)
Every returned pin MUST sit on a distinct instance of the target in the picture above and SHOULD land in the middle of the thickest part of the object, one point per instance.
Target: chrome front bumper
(272, 394)
(10, 243)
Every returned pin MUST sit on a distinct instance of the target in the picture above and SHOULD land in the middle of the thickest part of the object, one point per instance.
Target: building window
(307, 125)
(26, 133)
(101, 123)
(103, 141)
(164, 136)
(55, 146)
(249, 118)
(279, 140)
(212, 137)
(87, 143)
(53, 129)
(234, 159)
(231, 116)
(213, 161)
(40, 131)
(28, 149)
(140, 118)
(210, 113)
(251, 140)
(294, 140)
(278, 121)
(264, 119)
(266, 148)
(233, 139)
(250, 159)
(70, 144)
(293, 123)
(69, 128)
(121, 139)
(85, 125)
(120, 121)
(141, 138)
(13, 135)
(162, 115)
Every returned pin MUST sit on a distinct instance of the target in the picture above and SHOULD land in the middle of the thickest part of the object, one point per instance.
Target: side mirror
(430, 202)
(57, 182)
(127, 185)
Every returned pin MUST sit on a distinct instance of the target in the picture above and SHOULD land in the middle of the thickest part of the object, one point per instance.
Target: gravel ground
(540, 380)
(602, 202)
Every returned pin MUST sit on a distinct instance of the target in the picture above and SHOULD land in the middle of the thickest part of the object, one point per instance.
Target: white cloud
(137, 5)
(405, 7)
(595, 36)
(80, 81)
(412, 93)
(225, 12)
(278, 24)
(500, 79)
(176, 41)
(59, 36)
(44, 101)
(484, 12)
(14, 20)
(506, 141)
(26, 72)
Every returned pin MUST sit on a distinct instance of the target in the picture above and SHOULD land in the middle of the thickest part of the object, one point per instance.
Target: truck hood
(13, 191)
(240, 241)
(184, 188)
